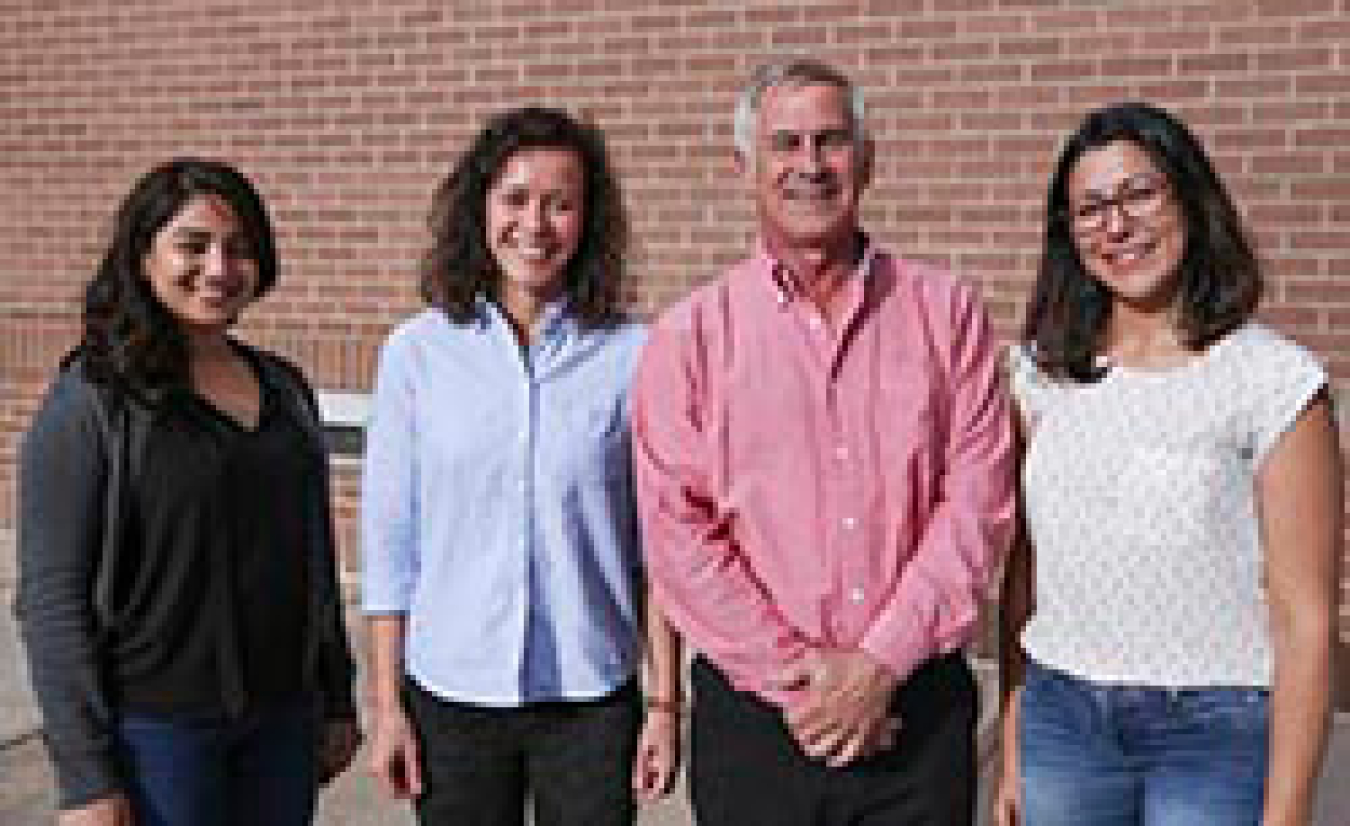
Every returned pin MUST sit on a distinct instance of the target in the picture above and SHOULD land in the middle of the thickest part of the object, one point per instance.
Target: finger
(642, 772)
(827, 744)
(412, 770)
(793, 677)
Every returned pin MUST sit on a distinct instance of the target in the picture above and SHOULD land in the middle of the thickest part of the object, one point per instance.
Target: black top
(169, 558)
(216, 516)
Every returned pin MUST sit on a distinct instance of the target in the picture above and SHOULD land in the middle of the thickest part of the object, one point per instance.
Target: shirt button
(850, 522)
(856, 595)
(841, 452)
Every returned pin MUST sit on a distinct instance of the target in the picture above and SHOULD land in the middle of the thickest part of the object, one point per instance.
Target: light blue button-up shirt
(497, 507)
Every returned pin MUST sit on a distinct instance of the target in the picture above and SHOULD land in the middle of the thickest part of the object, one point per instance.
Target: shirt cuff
(904, 634)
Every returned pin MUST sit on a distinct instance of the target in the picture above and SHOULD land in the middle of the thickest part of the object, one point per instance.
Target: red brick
(1219, 62)
(349, 116)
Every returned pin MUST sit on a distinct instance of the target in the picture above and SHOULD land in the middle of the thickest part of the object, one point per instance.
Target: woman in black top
(177, 589)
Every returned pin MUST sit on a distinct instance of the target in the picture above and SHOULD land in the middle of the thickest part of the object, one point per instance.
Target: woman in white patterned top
(1170, 620)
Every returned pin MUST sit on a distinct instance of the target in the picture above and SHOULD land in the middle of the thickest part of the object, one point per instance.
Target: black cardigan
(74, 462)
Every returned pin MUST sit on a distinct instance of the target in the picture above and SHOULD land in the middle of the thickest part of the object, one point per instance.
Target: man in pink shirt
(824, 470)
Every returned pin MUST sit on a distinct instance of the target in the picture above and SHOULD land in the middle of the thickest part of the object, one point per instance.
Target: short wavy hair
(1220, 279)
(129, 338)
(798, 71)
(458, 270)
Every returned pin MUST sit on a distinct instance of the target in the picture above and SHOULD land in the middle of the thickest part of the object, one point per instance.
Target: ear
(740, 163)
(865, 163)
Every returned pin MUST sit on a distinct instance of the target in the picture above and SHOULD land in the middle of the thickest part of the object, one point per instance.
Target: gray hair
(794, 72)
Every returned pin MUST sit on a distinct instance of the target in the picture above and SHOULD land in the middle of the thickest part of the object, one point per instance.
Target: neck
(820, 270)
(523, 310)
(208, 345)
(1142, 332)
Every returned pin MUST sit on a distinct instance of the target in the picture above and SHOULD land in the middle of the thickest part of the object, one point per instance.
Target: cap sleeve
(1026, 382)
(1289, 378)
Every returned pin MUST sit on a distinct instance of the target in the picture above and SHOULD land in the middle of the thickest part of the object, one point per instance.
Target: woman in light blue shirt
(503, 575)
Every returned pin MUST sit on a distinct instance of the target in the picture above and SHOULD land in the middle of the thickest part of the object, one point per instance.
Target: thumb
(794, 676)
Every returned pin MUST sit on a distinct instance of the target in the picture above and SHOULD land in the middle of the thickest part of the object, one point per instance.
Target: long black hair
(1219, 281)
(130, 339)
(459, 269)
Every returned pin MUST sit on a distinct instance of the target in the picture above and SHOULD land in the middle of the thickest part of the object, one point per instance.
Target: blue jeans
(1110, 755)
(208, 770)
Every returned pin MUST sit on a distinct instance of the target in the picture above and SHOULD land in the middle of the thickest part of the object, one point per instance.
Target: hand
(113, 810)
(1008, 798)
(337, 746)
(394, 761)
(658, 755)
(844, 713)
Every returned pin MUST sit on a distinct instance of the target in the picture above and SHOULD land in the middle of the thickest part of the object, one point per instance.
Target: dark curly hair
(459, 269)
(130, 339)
(1220, 277)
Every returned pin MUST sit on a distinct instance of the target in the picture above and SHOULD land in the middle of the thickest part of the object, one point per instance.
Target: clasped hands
(839, 709)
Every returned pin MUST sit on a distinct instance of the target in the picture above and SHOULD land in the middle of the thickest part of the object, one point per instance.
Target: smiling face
(535, 217)
(1127, 225)
(202, 265)
(808, 169)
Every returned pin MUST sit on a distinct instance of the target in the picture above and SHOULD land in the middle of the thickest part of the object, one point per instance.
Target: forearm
(1300, 710)
(384, 682)
(935, 607)
(662, 657)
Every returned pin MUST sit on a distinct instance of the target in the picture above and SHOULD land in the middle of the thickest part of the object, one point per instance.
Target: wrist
(673, 706)
(380, 704)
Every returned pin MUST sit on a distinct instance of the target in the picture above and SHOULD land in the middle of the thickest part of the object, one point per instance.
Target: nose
(217, 260)
(535, 217)
(1115, 223)
(812, 156)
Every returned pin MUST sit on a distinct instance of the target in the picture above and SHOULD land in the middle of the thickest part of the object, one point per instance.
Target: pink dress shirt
(802, 486)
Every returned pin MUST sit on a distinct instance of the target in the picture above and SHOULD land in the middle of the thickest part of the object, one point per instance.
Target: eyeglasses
(1139, 197)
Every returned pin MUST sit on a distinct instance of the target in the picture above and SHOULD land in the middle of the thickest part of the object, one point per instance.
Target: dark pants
(209, 770)
(746, 770)
(574, 760)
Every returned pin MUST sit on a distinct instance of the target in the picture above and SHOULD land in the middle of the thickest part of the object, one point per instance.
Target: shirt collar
(554, 322)
(785, 287)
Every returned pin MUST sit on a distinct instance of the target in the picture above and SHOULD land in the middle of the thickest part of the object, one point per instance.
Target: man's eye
(1089, 210)
(783, 142)
(192, 248)
(836, 139)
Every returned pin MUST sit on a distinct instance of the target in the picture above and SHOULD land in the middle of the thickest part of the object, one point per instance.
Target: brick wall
(347, 113)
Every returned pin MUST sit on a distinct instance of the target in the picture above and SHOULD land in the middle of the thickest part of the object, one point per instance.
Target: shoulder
(704, 310)
(1265, 347)
(1266, 366)
(412, 335)
(932, 284)
(629, 333)
(74, 407)
(418, 328)
(277, 365)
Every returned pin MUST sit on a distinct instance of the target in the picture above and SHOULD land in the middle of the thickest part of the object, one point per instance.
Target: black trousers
(746, 770)
(573, 760)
